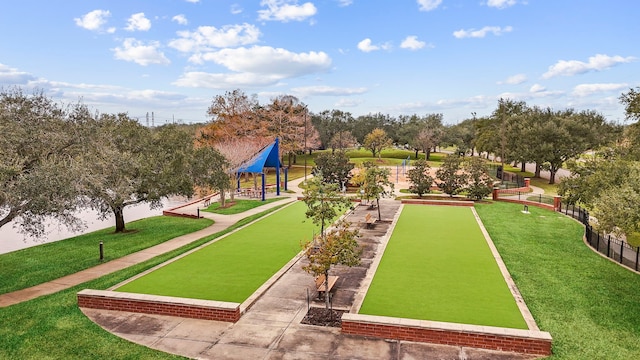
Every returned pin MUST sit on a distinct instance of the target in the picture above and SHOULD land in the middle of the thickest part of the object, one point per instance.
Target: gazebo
(269, 156)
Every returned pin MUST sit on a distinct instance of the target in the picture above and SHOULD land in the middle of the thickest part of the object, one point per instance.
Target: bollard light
(101, 251)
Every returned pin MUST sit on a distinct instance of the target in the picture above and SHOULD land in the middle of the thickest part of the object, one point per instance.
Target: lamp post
(305, 144)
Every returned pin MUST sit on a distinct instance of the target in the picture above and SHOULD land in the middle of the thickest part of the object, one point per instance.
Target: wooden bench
(369, 220)
(322, 287)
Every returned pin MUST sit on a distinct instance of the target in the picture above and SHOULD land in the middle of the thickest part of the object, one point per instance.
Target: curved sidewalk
(221, 222)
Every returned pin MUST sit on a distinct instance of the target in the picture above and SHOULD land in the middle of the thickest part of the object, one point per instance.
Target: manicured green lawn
(437, 266)
(239, 205)
(28, 267)
(53, 327)
(590, 305)
(234, 267)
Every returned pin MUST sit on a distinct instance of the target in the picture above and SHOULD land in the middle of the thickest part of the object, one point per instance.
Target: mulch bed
(323, 317)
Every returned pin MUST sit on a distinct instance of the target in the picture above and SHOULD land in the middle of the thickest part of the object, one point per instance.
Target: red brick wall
(529, 203)
(438, 202)
(491, 341)
(159, 307)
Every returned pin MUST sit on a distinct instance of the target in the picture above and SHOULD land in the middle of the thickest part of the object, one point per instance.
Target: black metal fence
(613, 248)
(509, 180)
(526, 196)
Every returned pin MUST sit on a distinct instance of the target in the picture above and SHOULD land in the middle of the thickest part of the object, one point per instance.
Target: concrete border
(439, 202)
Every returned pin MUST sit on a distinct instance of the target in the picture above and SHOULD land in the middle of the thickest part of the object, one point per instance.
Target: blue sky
(455, 57)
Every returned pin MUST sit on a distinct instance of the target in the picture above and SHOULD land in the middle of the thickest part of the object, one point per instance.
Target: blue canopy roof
(267, 157)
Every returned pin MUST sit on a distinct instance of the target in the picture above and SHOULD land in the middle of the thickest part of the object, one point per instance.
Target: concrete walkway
(221, 222)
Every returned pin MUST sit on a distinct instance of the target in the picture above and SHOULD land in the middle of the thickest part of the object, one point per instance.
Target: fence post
(598, 243)
(621, 250)
(637, 256)
(608, 245)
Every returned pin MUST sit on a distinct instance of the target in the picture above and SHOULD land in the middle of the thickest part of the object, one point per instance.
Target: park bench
(322, 287)
(369, 220)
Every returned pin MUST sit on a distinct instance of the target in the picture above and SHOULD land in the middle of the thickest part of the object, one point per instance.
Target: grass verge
(35, 265)
(239, 206)
(447, 274)
(53, 327)
(587, 303)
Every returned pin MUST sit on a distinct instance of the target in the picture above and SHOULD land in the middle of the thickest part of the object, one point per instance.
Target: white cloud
(343, 3)
(180, 19)
(346, 103)
(366, 46)
(138, 22)
(93, 20)
(269, 60)
(514, 79)
(140, 53)
(286, 10)
(209, 37)
(588, 89)
(193, 1)
(412, 43)
(328, 91)
(12, 76)
(598, 62)
(537, 88)
(473, 33)
(255, 66)
(428, 5)
(236, 9)
(501, 4)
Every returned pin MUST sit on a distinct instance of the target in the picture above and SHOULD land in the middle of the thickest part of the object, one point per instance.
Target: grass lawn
(233, 268)
(52, 326)
(35, 265)
(438, 266)
(588, 304)
(238, 206)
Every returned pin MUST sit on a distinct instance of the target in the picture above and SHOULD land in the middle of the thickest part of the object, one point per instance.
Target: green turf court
(437, 266)
(232, 268)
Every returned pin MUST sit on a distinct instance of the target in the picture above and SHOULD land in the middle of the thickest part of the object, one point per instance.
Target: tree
(429, 135)
(338, 247)
(329, 124)
(208, 170)
(376, 183)
(420, 177)
(452, 181)
(323, 201)
(631, 102)
(479, 182)
(233, 115)
(285, 118)
(376, 141)
(40, 142)
(334, 168)
(128, 164)
(342, 140)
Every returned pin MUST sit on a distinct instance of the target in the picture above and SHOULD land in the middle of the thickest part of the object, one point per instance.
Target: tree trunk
(537, 173)
(416, 153)
(326, 289)
(552, 176)
(427, 154)
(118, 213)
(378, 205)
(523, 166)
(222, 198)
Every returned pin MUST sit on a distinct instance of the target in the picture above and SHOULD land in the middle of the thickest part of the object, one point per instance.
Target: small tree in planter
(420, 178)
(323, 201)
(376, 182)
(451, 180)
(338, 247)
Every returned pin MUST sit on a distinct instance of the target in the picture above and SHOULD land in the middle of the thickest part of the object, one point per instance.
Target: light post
(305, 144)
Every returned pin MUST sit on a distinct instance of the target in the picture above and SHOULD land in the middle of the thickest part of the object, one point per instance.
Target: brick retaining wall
(438, 202)
(159, 305)
(484, 337)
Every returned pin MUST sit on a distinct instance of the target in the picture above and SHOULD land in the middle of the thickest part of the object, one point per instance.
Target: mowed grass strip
(437, 266)
(232, 268)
